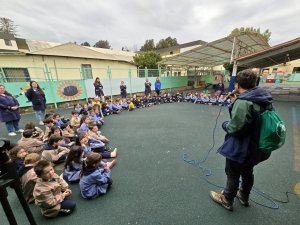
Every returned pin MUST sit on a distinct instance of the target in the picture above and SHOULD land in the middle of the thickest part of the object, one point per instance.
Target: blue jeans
(66, 207)
(12, 126)
(40, 115)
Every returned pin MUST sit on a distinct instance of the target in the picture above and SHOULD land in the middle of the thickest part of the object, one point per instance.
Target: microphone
(230, 94)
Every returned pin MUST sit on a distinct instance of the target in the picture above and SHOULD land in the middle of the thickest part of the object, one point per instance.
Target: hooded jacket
(241, 140)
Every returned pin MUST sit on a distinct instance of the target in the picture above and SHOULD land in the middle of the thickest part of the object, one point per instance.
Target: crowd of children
(79, 144)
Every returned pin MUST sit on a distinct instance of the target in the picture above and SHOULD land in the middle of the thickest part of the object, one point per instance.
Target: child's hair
(40, 166)
(27, 133)
(74, 112)
(74, 155)
(246, 79)
(90, 162)
(32, 158)
(48, 116)
(64, 126)
(14, 152)
(53, 129)
(56, 115)
(30, 126)
(54, 138)
(48, 120)
(91, 125)
(83, 118)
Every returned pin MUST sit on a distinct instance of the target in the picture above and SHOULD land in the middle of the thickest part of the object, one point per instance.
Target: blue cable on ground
(207, 172)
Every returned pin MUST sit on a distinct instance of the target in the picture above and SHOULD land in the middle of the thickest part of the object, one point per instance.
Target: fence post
(84, 83)
(159, 71)
(46, 72)
(130, 81)
(146, 72)
(109, 77)
(2, 75)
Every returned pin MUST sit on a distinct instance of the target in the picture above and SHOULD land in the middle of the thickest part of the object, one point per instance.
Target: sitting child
(48, 123)
(28, 176)
(53, 152)
(77, 108)
(29, 143)
(67, 132)
(75, 120)
(73, 164)
(17, 155)
(95, 180)
(37, 132)
(50, 191)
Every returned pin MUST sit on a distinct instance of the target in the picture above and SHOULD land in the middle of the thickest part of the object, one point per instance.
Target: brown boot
(243, 200)
(220, 198)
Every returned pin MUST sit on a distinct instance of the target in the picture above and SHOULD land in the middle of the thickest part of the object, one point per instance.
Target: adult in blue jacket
(240, 147)
(157, 86)
(9, 112)
(38, 99)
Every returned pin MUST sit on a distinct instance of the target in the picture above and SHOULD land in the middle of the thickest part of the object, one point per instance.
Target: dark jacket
(98, 89)
(6, 114)
(37, 98)
(241, 140)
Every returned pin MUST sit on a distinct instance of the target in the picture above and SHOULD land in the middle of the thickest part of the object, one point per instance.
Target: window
(87, 71)
(16, 74)
(296, 70)
(7, 42)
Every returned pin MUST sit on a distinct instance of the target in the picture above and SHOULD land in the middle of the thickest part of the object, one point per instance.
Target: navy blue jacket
(37, 98)
(6, 113)
(241, 140)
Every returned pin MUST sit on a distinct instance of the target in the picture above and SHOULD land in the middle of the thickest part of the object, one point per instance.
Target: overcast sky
(131, 22)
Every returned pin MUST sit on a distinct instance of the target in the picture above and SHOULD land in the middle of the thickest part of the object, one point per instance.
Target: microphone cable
(208, 172)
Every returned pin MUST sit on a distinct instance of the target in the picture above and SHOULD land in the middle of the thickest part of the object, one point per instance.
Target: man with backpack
(241, 145)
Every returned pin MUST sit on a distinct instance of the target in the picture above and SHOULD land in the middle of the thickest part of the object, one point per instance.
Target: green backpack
(272, 131)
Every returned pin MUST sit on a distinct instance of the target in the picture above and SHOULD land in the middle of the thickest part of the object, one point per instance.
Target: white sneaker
(20, 131)
(12, 134)
(41, 123)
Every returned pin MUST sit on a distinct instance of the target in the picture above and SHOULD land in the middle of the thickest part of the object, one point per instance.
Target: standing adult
(219, 88)
(99, 88)
(9, 112)
(37, 97)
(147, 87)
(240, 147)
(123, 90)
(157, 86)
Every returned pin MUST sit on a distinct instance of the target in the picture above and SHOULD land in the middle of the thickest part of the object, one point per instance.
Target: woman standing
(37, 97)
(157, 86)
(123, 90)
(147, 87)
(9, 112)
(99, 88)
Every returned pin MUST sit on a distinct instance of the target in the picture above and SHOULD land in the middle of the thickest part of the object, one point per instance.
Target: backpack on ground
(272, 131)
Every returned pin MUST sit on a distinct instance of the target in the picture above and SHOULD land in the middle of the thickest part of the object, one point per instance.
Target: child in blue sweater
(95, 178)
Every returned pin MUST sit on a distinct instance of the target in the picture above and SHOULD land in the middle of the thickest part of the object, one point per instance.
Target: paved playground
(153, 184)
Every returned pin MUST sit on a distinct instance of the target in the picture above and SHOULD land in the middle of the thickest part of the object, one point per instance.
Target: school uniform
(72, 174)
(32, 145)
(205, 100)
(94, 183)
(213, 100)
(49, 196)
(75, 122)
(83, 128)
(55, 154)
(28, 180)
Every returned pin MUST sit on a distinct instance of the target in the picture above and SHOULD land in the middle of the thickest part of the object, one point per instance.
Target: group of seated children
(208, 99)
(78, 144)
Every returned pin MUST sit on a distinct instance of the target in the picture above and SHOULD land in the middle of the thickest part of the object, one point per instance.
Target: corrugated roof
(281, 53)
(217, 52)
(72, 50)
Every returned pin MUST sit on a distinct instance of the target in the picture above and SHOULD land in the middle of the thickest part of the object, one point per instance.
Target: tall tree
(166, 43)
(148, 59)
(8, 26)
(85, 44)
(266, 34)
(148, 46)
(102, 44)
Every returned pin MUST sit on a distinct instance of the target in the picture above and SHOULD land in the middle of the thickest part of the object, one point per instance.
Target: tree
(148, 59)
(148, 46)
(85, 44)
(266, 34)
(8, 26)
(102, 44)
(166, 43)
